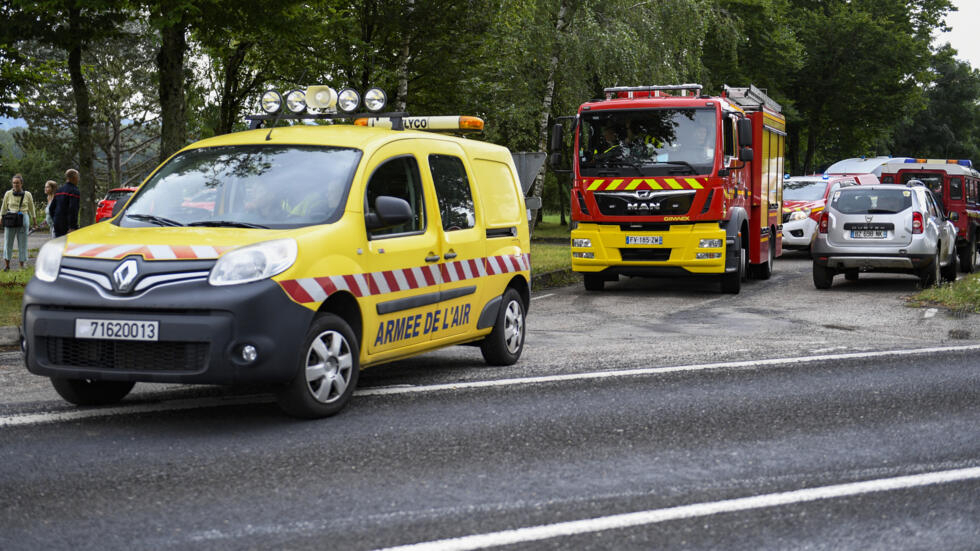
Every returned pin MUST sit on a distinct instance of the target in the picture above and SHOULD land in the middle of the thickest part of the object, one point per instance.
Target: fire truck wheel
(764, 270)
(327, 371)
(823, 277)
(594, 282)
(949, 271)
(504, 344)
(930, 275)
(732, 282)
(968, 256)
(84, 392)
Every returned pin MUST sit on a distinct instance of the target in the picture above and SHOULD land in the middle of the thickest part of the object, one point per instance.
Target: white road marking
(929, 313)
(543, 296)
(653, 516)
(71, 415)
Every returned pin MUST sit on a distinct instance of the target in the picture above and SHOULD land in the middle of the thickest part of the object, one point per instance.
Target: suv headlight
(49, 260)
(254, 262)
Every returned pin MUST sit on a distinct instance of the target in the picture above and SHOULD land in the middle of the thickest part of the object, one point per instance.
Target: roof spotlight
(296, 101)
(375, 99)
(348, 100)
(321, 97)
(271, 102)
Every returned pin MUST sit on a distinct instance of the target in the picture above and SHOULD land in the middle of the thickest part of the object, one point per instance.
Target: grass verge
(12, 293)
(962, 295)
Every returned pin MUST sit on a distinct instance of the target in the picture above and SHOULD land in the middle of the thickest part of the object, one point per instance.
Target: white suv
(884, 228)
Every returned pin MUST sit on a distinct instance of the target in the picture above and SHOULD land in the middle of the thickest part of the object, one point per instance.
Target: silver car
(884, 228)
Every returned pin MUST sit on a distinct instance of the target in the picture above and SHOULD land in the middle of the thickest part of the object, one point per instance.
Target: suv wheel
(823, 277)
(851, 274)
(949, 272)
(929, 275)
(968, 256)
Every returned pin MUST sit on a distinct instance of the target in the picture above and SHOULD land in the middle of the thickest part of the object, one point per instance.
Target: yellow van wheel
(85, 392)
(504, 344)
(327, 372)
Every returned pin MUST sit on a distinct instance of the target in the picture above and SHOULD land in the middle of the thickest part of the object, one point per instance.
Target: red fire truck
(954, 183)
(671, 182)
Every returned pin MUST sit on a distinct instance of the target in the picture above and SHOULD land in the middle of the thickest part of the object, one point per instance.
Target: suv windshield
(804, 190)
(647, 142)
(246, 186)
(872, 201)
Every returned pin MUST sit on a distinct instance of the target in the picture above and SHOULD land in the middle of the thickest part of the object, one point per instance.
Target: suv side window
(398, 177)
(453, 192)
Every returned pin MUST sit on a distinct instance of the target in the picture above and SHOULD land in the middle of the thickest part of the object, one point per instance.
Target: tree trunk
(406, 53)
(231, 94)
(561, 24)
(173, 107)
(811, 146)
(793, 148)
(86, 152)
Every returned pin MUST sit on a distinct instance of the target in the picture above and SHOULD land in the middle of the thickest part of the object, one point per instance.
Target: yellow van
(293, 256)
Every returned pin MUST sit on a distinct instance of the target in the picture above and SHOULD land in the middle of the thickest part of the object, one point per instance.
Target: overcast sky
(963, 37)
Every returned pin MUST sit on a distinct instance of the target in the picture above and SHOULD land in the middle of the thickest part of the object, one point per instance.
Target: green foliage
(961, 295)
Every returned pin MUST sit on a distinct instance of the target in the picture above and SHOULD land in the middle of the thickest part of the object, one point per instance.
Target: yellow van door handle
(449, 256)
(432, 258)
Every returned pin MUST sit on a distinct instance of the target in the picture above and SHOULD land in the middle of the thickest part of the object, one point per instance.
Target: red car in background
(804, 198)
(105, 205)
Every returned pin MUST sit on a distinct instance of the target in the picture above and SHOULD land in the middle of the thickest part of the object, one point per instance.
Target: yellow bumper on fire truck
(698, 248)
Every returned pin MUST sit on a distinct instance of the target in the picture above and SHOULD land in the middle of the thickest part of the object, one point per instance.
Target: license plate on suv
(868, 234)
(644, 240)
(117, 330)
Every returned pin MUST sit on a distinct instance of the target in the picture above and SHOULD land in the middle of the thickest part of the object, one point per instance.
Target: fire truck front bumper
(642, 250)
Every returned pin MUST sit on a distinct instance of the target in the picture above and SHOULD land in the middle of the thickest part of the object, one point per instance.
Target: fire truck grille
(645, 255)
(643, 204)
(126, 355)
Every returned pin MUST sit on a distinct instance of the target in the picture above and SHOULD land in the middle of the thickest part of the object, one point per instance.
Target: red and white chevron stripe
(317, 289)
(149, 252)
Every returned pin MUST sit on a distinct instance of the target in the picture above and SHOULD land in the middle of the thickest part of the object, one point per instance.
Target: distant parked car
(884, 228)
(804, 198)
(105, 205)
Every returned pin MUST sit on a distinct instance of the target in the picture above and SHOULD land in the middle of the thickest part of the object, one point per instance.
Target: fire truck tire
(594, 282)
(949, 271)
(823, 277)
(504, 344)
(732, 282)
(84, 392)
(764, 270)
(930, 275)
(968, 256)
(327, 371)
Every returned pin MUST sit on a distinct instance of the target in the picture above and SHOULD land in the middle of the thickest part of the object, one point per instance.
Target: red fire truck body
(669, 182)
(956, 185)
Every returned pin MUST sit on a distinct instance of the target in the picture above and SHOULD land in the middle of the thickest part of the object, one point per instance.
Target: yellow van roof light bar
(445, 123)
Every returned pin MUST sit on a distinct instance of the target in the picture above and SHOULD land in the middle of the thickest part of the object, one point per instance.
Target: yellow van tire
(327, 372)
(504, 344)
(85, 392)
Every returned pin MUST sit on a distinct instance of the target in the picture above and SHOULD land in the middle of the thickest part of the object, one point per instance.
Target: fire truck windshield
(646, 142)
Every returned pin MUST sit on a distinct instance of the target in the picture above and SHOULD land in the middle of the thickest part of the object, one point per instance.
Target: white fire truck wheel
(85, 392)
(968, 260)
(327, 372)
(504, 344)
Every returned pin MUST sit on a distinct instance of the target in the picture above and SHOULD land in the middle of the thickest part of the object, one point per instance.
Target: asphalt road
(657, 414)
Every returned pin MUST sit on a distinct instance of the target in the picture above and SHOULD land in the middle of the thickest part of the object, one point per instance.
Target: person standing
(16, 201)
(50, 188)
(65, 210)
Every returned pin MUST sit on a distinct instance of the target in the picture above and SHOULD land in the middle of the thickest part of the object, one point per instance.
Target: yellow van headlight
(49, 260)
(254, 262)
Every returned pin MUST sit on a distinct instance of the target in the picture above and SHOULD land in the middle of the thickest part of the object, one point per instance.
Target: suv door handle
(450, 256)
(432, 258)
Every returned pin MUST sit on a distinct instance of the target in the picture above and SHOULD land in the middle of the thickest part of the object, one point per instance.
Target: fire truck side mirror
(745, 154)
(744, 133)
(555, 147)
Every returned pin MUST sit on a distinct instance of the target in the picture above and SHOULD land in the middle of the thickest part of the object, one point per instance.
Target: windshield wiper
(685, 164)
(227, 223)
(158, 220)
